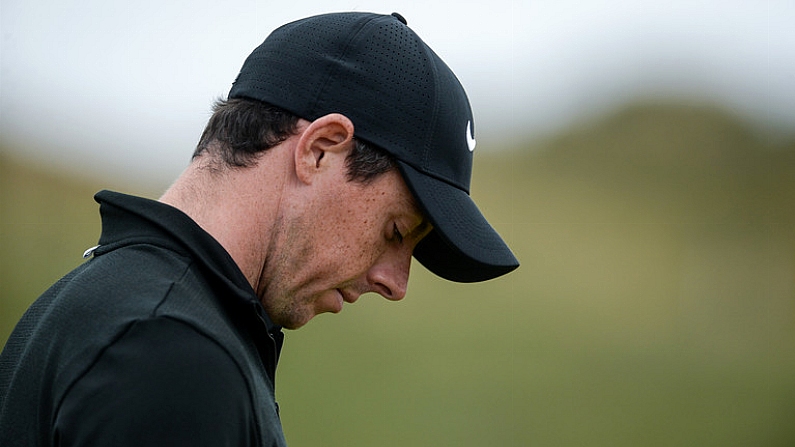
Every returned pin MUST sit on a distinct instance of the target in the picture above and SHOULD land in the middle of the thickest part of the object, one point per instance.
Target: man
(344, 148)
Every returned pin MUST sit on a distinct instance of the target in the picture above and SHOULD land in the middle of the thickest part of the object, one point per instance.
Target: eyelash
(397, 234)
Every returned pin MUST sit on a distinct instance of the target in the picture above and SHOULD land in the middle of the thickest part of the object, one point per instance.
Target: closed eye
(396, 233)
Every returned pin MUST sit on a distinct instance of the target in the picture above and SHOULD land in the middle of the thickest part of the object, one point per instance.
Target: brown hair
(240, 129)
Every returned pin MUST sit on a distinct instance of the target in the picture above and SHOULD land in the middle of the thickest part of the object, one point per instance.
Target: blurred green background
(655, 304)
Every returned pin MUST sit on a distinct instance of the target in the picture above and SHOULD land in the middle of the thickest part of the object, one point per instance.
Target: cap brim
(463, 246)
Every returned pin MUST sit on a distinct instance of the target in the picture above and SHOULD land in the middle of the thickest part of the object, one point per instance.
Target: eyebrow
(425, 225)
(414, 206)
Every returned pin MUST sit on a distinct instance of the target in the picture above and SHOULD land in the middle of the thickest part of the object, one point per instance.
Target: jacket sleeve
(161, 383)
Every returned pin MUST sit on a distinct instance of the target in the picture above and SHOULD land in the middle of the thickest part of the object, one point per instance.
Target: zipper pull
(88, 253)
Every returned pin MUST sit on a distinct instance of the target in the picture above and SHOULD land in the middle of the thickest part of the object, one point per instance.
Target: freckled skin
(344, 241)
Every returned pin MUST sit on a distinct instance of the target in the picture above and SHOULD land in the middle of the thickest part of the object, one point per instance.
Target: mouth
(335, 302)
(348, 297)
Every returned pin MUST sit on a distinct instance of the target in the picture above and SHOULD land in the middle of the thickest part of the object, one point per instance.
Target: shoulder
(161, 381)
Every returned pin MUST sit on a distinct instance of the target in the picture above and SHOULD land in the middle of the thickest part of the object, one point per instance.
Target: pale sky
(125, 88)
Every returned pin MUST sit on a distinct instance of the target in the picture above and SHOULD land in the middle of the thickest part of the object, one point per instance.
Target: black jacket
(157, 340)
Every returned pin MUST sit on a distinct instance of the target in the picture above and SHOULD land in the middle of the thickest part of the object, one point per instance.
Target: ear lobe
(329, 134)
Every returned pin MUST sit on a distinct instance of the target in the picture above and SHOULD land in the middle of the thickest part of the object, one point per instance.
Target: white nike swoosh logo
(470, 141)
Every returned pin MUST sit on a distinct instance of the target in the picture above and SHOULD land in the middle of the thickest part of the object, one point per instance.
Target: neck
(239, 207)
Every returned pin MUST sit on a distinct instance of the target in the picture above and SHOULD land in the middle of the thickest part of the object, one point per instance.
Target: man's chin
(292, 320)
(296, 321)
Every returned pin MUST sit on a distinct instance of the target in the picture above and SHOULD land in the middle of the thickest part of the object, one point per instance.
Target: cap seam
(428, 138)
(332, 73)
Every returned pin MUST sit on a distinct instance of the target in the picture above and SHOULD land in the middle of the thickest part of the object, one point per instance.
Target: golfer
(343, 148)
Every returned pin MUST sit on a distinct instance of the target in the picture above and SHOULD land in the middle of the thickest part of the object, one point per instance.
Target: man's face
(350, 238)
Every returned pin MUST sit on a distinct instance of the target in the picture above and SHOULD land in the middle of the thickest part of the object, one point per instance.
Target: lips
(333, 302)
(347, 296)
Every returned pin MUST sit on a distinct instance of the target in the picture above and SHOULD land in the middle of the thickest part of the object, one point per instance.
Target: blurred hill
(655, 304)
(657, 163)
(46, 221)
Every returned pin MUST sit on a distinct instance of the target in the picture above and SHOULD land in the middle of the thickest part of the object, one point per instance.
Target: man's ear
(328, 135)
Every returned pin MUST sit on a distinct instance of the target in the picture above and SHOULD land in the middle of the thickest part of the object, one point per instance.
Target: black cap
(401, 97)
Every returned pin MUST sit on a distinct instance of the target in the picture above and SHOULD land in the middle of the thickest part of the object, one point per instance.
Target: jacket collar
(130, 220)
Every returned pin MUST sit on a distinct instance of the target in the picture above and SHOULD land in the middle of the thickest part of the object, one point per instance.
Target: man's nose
(389, 276)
